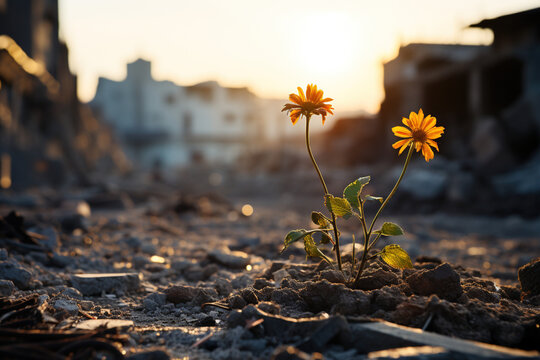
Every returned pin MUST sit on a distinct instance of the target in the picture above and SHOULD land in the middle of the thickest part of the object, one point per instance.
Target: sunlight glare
(325, 42)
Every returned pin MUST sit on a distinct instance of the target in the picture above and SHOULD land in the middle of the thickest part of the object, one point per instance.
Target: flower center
(419, 136)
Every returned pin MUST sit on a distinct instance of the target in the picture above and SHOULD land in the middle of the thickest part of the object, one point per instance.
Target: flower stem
(368, 235)
(336, 232)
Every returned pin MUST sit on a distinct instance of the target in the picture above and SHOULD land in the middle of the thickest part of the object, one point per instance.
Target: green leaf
(353, 190)
(374, 198)
(319, 219)
(312, 249)
(339, 206)
(292, 236)
(390, 229)
(326, 238)
(396, 257)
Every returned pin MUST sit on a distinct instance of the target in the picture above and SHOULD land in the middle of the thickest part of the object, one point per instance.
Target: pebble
(6, 287)
(69, 306)
(3, 254)
(529, 278)
(231, 259)
(95, 284)
(21, 277)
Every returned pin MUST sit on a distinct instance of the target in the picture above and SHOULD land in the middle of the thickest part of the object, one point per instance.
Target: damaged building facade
(162, 124)
(487, 97)
(47, 135)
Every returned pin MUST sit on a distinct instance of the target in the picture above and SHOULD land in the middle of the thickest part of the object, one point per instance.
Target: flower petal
(418, 145)
(413, 118)
(400, 143)
(427, 152)
(295, 99)
(406, 122)
(429, 122)
(308, 92)
(401, 131)
(420, 119)
(435, 132)
(432, 143)
(301, 93)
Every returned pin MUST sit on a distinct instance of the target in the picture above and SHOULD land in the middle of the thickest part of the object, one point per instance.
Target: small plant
(419, 134)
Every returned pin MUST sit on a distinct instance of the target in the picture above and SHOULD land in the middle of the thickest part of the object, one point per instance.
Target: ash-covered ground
(199, 279)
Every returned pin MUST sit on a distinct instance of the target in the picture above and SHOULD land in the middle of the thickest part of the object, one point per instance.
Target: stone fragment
(150, 355)
(376, 280)
(231, 259)
(442, 281)
(95, 284)
(72, 293)
(69, 306)
(6, 287)
(529, 278)
(16, 273)
(180, 294)
(333, 276)
(107, 323)
(337, 298)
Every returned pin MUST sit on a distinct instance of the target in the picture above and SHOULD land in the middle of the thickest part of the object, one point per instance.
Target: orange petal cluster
(310, 103)
(421, 130)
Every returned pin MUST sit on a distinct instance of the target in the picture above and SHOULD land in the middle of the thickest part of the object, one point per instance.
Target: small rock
(150, 355)
(206, 321)
(149, 248)
(140, 261)
(475, 292)
(231, 259)
(237, 302)
(442, 281)
(269, 307)
(72, 293)
(279, 275)
(333, 276)
(69, 306)
(377, 279)
(73, 222)
(51, 239)
(529, 278)
(6, 287)
(95, 284)
(287, 352)
(180, 294)
(3, 254)
(223, 286)
(261, 283)
(61, 261)
(21, 277)
(150, 305)
(158, 298)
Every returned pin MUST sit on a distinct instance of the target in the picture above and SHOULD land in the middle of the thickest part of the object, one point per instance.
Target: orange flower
(422, 132)
(312, 103)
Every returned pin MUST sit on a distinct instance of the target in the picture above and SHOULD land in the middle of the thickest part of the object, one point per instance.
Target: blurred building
(46, 135)
(164, 124)
(487, 97)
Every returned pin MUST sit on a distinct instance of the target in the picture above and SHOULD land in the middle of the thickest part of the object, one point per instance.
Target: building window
(170, 99)
(229, 118)
(187, 121)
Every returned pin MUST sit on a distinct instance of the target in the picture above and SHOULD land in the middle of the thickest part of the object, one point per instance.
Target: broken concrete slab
(107, 323)
(95, 284)
(382, 335)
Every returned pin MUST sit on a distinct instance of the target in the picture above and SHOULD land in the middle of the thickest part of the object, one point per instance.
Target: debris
(103, 323)
(6, 287)
(95, 284)
(529, 278)
(68, 306)
(232, 259)
(11, 270)
(442, 281)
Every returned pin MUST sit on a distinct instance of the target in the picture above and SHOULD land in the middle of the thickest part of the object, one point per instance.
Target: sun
(327, 40)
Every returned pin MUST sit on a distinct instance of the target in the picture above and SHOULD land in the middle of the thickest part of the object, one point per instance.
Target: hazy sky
(269, 46)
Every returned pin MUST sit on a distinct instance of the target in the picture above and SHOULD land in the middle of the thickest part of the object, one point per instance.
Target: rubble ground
(192, 277)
